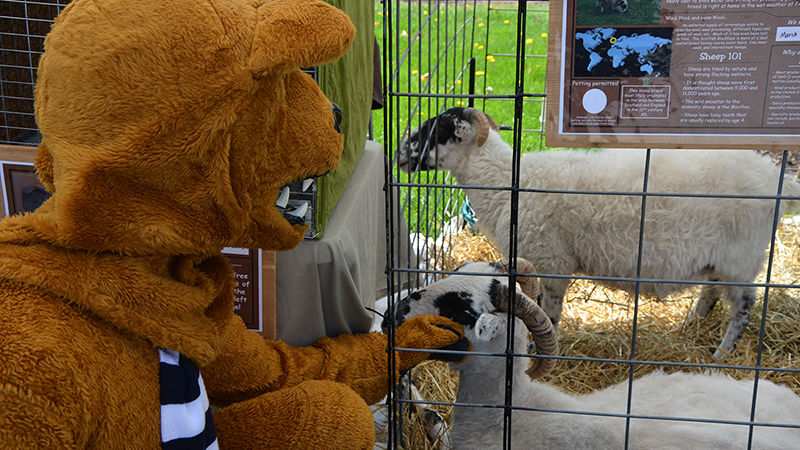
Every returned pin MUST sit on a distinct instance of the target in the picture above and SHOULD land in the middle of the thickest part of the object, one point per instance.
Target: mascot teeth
(300, 211)
(293, 209)
(283, 199)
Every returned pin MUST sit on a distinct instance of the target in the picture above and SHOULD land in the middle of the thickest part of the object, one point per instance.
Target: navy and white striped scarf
(186, 421)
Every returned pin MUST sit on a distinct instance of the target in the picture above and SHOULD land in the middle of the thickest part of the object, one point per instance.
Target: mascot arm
(250, 365)
(361, 360)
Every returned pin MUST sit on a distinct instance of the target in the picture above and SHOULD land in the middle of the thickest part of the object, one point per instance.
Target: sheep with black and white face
(687, 239)
(477, 296)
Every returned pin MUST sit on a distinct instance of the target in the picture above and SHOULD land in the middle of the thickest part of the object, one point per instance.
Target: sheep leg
(705, 303)
(436, 428)
(551, 298)
(742, 299)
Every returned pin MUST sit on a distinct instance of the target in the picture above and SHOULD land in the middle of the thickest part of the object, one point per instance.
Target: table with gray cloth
(324, 285)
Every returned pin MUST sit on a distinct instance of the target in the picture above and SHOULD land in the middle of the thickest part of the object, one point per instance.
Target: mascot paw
(430, 332)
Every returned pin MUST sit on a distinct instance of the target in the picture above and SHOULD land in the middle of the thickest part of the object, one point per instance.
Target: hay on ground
(598, 323)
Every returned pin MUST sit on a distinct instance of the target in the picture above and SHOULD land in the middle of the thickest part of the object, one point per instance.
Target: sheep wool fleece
(169, 128)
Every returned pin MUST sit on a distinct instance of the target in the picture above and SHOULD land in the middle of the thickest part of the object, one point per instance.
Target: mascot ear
(291, 34)
(44, 167)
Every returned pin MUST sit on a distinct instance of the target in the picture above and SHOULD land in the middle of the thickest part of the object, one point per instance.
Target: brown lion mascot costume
(169, 128)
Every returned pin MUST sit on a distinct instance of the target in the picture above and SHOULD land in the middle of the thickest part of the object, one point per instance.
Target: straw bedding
(598, 322)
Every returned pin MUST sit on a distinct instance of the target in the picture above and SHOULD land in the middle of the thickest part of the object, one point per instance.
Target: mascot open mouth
(296, 199)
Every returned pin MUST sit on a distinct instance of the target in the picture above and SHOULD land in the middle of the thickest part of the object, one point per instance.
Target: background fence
(491, 55)
(24, 26)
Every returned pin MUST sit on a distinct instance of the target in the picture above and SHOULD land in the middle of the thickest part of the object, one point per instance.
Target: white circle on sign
(594, 101)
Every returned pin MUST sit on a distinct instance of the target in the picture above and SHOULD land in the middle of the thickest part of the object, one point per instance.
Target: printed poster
(675, 73)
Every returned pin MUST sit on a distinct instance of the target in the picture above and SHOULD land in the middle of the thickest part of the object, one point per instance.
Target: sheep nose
(338, 115)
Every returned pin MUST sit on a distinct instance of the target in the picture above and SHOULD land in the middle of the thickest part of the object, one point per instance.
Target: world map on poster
(611, 52)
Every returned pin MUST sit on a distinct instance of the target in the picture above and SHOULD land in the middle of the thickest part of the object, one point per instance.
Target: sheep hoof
(719, 354)
(436, 426)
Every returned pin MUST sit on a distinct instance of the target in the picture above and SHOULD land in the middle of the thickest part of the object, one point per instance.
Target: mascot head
(170, 127)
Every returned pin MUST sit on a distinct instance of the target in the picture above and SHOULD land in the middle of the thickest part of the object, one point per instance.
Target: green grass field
(486, 35)
(430, 48)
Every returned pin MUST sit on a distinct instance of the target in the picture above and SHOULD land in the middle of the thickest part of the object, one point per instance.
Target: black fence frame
(399, 277)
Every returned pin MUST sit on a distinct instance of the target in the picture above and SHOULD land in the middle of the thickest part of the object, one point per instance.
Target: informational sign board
(674, 74)
(22, 191)
(254, 298)
(246, 294)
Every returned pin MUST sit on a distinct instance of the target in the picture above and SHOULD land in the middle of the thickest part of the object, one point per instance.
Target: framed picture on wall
(22, 191)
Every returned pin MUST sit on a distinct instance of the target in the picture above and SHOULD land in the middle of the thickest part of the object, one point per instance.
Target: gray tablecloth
(323, 285)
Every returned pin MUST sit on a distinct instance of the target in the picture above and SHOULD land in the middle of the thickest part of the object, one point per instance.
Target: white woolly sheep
(685, 238)
(479, 304)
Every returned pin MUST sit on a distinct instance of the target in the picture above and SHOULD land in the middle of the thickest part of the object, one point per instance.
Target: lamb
(706, 239)
(479, 303)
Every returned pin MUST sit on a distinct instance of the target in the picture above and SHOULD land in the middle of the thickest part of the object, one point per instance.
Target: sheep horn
(482, 123)
(537, 322)
(529, 285)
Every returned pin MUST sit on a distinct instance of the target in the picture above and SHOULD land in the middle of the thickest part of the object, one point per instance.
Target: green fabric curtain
(348, 83)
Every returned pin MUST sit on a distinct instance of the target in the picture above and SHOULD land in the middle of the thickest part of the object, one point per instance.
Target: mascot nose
(337, 117)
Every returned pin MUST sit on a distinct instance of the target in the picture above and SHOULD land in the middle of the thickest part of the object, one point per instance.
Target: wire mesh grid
(24, 26)
(440, 54)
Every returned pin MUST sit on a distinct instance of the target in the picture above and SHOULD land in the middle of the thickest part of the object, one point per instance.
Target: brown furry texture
(172, 127)
(168, 129)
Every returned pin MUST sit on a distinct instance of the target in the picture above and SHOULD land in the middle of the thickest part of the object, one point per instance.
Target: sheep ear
(481, 130)
(529, 285)
(488, 326)
(482, 123)
(491, 122)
